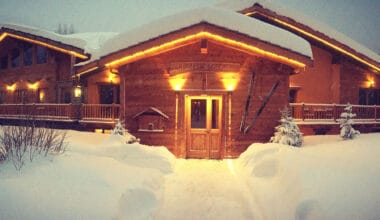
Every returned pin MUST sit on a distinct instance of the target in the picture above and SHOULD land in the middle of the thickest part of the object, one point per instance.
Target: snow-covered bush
(3, 153)
(16, 142)
(120, 130)
(287, 132)
(345, 121)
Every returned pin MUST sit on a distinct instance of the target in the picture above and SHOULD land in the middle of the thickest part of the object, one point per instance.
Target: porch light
(11, 87)
(33, 86)
(41, 96)
(177, 82)
(77, 92)
(370, 83)
(229, 80)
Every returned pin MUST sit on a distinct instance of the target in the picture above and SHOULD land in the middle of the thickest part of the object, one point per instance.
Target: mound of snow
(327, 179)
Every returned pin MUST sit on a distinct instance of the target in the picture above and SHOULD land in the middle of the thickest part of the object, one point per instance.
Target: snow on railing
(331, 112)
(60, 112)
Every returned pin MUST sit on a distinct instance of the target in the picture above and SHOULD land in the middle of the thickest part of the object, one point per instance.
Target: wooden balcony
(99, 113)
(84, 113)
(306, 113)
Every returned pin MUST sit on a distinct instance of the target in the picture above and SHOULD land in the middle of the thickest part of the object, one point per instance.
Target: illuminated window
(41, 54)
(28, 54)
(15, 57)
(4, 62)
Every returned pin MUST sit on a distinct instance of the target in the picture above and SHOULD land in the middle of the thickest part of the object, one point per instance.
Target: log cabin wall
(323, 72)
(145, 83)
(354, 78)
(45, 75)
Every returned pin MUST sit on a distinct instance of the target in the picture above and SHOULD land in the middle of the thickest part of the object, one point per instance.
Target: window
(28, 54)
(369, 96)
(41, 55)
(4, 62)
(20, 96)
(292, 95)
(109, 94)
(15, 57)
(3, 95)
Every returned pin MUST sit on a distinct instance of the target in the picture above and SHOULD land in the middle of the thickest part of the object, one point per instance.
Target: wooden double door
(204, 126)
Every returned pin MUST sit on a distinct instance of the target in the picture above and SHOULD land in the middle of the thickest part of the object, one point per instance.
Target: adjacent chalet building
(205, 87)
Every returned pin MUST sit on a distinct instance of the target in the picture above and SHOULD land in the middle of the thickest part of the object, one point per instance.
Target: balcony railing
(102, 113)
(107, 113)
(330, 113)
(59, 112)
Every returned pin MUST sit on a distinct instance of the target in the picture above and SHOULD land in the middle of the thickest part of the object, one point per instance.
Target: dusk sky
(359, 20)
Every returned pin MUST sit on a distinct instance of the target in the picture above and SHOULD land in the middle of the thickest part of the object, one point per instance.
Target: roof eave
(258, 11)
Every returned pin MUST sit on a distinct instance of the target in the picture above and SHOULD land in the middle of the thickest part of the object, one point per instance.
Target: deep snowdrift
(327, 179)
(100, 177)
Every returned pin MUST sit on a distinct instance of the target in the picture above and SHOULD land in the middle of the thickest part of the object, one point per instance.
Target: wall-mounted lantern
(229, 80)
(77, 91)
(178, 81)
(12, 87)
(33, 86)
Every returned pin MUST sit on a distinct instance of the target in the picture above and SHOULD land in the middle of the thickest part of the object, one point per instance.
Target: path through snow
(205, 189)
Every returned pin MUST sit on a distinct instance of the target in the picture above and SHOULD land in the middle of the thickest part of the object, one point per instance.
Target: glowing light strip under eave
(86, 71)
(320, 40)
(70, 52)
(200, 35)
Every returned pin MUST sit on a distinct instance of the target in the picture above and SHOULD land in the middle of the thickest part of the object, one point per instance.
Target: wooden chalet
(205, 87)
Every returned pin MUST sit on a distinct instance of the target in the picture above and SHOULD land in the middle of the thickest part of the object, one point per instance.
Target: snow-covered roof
(216, 16)
(240, 5)
(71, 41)
(151, 110)
(93, 40)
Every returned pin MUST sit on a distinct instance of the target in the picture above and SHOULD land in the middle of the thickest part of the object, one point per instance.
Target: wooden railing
(61, 112)
(331, 112)
(37, 111)
(102, 112)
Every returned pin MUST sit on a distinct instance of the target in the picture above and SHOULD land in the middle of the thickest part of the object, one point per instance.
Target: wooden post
(334, 112)
(375, 113)
(176, 125)
(303, 112)
(229, 123)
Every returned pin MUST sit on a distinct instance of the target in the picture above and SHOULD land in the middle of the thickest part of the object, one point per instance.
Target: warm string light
(70, 52)
(204, 35)
(293, 27)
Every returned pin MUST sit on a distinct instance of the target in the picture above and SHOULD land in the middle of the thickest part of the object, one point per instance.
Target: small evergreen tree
(287, 132)
(346, 129)
(120, 130)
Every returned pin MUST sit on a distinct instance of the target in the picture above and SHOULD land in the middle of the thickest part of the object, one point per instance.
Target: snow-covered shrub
(345, 121)
(287, 132)
(20, 141)
(3, 153)
(120, 130)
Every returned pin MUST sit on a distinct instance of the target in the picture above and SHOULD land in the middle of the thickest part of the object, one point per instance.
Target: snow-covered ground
(100, 177)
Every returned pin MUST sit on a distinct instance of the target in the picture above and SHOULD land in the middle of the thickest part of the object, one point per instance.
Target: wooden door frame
(187, 120)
